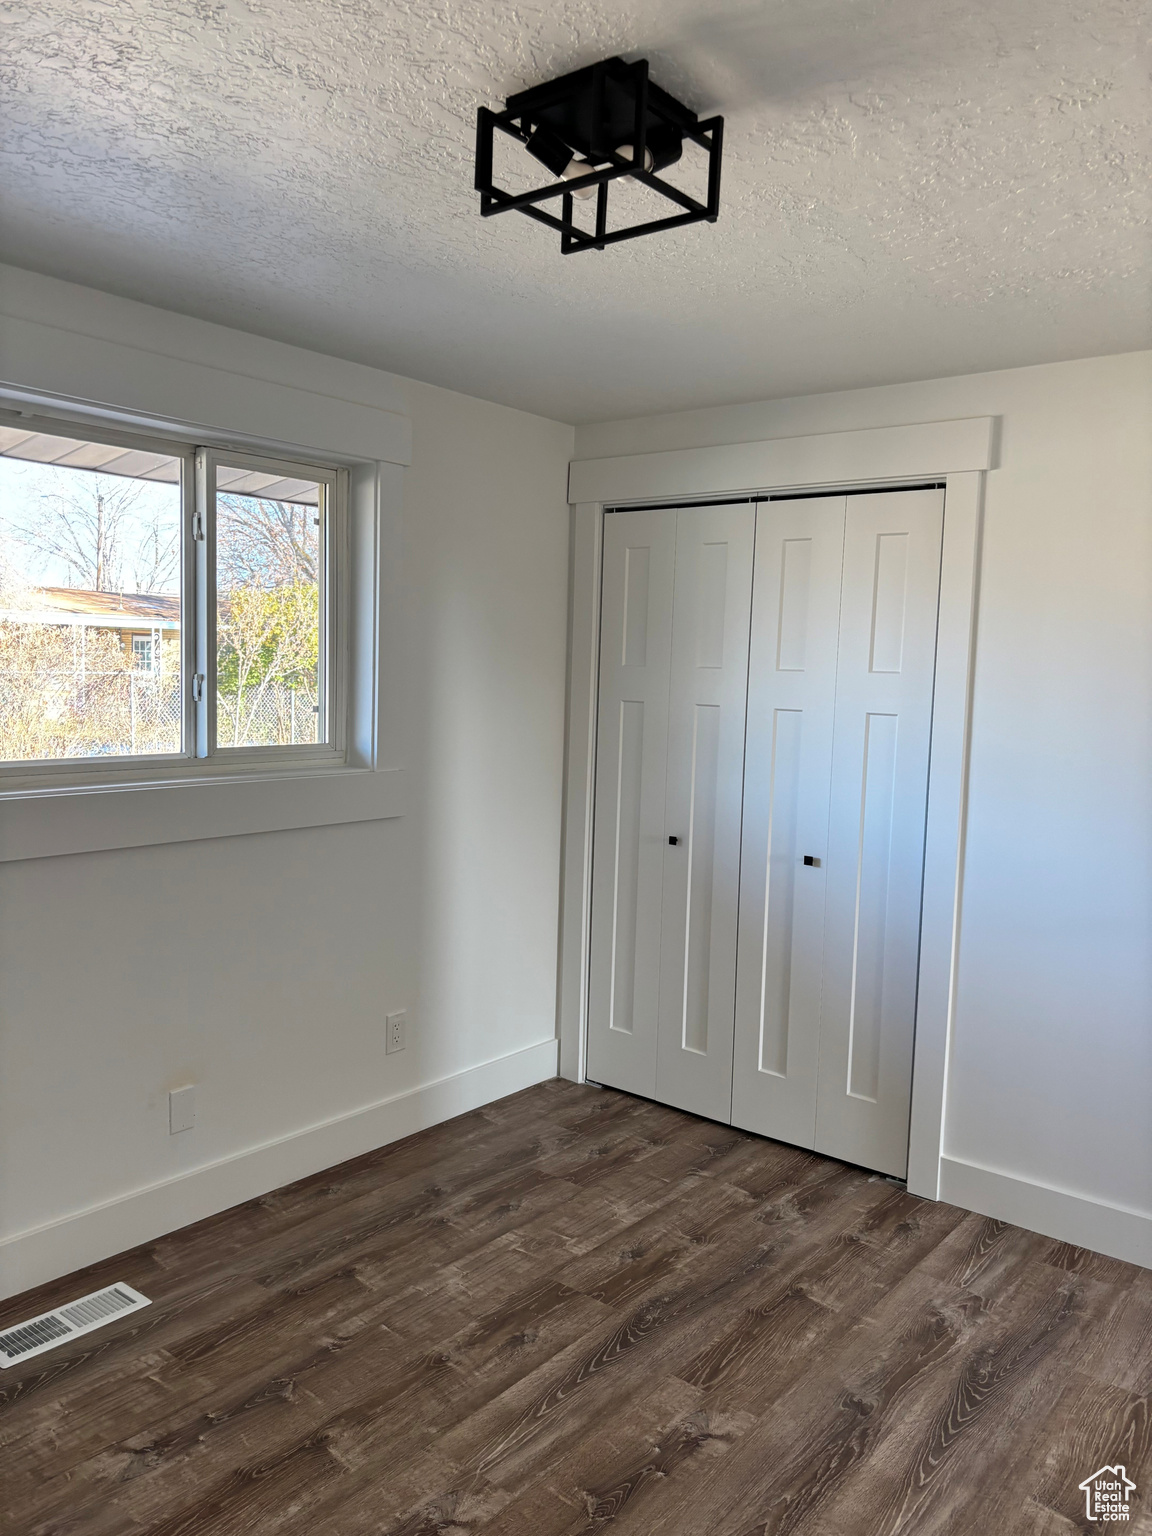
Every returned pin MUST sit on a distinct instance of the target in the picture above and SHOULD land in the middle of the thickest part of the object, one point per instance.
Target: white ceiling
(911, 187)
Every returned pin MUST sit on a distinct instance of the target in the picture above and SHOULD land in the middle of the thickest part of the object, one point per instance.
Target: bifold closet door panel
(628, 820)
(883, 723)
(707, 705)
(787, 777)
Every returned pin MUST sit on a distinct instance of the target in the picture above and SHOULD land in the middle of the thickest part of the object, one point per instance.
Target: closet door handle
(811, 861)
(673, 842)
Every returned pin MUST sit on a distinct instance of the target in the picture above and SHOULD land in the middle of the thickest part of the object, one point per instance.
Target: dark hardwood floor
(574, 1311)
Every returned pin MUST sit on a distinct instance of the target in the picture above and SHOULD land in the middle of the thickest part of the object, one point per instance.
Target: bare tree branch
(262, 543)
(82, 529)
(157, 556)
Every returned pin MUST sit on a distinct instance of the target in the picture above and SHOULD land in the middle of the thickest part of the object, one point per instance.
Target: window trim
(333, 601)
(23, 778)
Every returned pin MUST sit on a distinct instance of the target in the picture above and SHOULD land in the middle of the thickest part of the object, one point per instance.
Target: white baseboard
(1110, 1229)
(44, 1253)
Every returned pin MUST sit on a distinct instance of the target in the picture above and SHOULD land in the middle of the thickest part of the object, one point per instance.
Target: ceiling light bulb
(576, 168)
(626, 152)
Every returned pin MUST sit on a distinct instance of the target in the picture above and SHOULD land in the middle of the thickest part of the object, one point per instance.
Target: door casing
(956, 454)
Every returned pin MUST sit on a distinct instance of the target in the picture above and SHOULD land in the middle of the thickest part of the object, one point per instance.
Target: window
(162, 602)
(268, 573)
(89, 552)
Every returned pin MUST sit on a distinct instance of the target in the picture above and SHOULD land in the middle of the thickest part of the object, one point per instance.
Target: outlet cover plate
(395, 1029)
(181, 1110)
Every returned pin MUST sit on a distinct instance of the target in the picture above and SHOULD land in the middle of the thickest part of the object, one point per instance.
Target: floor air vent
(67, 1322)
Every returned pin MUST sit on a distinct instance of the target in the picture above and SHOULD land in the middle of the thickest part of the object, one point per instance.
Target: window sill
(46, 823)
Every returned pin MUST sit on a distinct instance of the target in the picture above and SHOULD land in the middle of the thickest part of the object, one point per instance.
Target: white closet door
(708, 697)
(628, 831)
(876, 829)
(787, 776)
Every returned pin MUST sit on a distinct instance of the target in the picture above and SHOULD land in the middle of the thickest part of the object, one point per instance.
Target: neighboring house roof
(99, 610)
(144, 605)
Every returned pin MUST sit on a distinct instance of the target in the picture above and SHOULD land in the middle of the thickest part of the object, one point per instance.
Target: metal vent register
(67, 1322)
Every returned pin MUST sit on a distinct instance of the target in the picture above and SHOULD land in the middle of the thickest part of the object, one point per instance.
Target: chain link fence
(53, 713)
(65, 713)
(268, 716)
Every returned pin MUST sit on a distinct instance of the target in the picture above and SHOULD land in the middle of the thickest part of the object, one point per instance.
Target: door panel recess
(883, 719)
(708, 679)
(791, 693)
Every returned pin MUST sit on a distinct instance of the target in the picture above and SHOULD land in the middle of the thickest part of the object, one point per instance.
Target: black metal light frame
(520, 114)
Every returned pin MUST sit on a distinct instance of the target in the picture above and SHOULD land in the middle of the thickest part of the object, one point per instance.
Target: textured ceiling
(911, 187)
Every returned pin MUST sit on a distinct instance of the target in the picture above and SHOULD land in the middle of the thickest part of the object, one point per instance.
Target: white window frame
(333, 587)
(200, 758)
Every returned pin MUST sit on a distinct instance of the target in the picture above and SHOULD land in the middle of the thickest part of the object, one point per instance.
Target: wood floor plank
(590, 1482)
(937, 1438)
(646, 1253)
(1089, 1425)
(1095, 1266)
(1123, 1353)
(980, 1254)
(468, 1371)
(371, 1393)
(61, 1436)
(248, 1322)
(809, 1429)
(588, 1380)
(773, 1339)
(576, 1310)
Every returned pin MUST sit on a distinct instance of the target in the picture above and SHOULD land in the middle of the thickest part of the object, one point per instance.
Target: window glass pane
(269, 602)
(89, 573)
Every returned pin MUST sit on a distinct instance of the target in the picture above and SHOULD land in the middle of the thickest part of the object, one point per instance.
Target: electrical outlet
(181, 1110)
(395, 1027)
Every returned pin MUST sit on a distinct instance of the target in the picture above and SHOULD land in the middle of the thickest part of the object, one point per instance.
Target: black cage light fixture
(588, 128)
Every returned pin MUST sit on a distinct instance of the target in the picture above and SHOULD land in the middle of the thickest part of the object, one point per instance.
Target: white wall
(486, 555)
(261, 967)
(1050, 1085)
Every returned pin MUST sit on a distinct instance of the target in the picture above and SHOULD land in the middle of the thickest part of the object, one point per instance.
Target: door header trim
(925, 451)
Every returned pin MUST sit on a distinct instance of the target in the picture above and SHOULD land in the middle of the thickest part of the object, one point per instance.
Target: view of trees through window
(89, 585)
(90, 607)
(268, 586)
